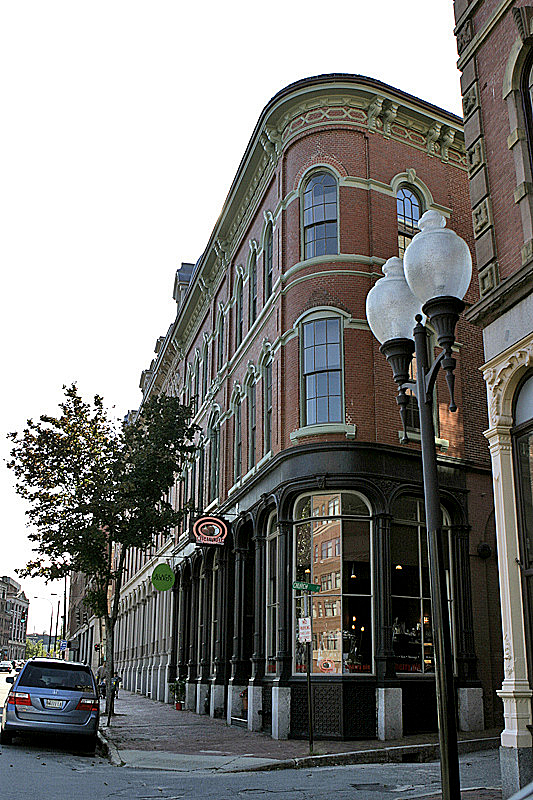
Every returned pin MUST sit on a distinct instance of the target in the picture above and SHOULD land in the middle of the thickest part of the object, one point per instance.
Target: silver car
(52, 696)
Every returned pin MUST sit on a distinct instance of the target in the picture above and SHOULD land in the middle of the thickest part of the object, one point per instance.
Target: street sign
(304, 629)
(306, 587)
(62, 645)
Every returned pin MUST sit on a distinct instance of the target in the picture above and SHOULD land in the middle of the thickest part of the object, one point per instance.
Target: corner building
(300, 445)
(495, 45)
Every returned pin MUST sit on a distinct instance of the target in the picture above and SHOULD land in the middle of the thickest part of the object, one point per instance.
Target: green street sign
(163, 578)
(306, 587)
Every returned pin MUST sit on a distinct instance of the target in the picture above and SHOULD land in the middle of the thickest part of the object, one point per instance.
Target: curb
(414, 753)
(109, 749)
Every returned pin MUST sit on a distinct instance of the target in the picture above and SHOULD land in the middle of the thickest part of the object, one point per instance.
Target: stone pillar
(470, 708)
(389, 713)
(204, 686)
(239, 673)
(284, 655)
(190, 688)
(281, 712)
(258, 657)
(255, 707)
(515, 753)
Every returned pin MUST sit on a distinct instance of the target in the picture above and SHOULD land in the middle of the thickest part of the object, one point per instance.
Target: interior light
(353, 575)
(353, 627)
(354, 619)
(399, 566)
(362, 628)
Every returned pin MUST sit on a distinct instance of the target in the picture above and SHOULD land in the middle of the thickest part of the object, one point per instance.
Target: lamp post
(430, 284)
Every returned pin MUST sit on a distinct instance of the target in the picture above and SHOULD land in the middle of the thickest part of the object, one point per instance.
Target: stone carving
(374, 110)
(475, 156)
(508, 661)
(464, 36)
(446, 139)
(523, 18)
(432, 137)
(481, 217)
(497, 380)
(470, 100)
(388, 115)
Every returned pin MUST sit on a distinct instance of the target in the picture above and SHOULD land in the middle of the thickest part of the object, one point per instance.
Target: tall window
(253, 289)
(322, 371)
(239, 316)
(197, 381)
(214, 456)
(267, 407)
(523, 464)
(205, 373)
(220, 344)
(408, 208)
(320, 216)
(237, 471)
(268, 258)
(271, 595)
(526, 90)
(252, 425)
(332, 550)
(412, 637)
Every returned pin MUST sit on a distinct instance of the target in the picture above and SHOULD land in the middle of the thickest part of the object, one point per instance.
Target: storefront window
(332, 550)
(272, 596)
(412, 637)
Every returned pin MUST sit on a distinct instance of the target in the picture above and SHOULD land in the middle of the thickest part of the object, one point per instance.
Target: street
(52, 769)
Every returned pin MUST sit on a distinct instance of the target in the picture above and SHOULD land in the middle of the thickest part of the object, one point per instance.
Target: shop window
(408, 208)
(268, 264)
(271, 596)
(332, 550)
(322, 371)
(412, 636)
(523, 464)
(320, 216)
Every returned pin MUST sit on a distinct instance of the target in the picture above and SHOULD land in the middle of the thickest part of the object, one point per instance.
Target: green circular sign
(163, 577)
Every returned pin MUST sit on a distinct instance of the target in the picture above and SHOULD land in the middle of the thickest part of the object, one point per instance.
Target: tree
(97, 488)
(34, 648)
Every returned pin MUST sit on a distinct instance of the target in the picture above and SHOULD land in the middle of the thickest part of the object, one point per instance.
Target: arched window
(205, 373)
(213, 435)
(409, 210)
(320, 216)
(267, 408)
(322, 371)
(523, 464)
(252, 425)
(220, 343)
(197, 380)
(253, 289)
(268, 263)
(332, 548)
(272, 600)
(237, 431)
(412, 636)
(526, 91)
(239, 316)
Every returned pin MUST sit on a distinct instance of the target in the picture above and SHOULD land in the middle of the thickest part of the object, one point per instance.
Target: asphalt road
(53, 770)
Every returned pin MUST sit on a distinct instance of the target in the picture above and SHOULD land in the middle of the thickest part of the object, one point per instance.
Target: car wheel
(5, 738)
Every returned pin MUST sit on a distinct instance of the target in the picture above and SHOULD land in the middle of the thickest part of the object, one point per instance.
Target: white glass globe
(391, 306)
(437, 262)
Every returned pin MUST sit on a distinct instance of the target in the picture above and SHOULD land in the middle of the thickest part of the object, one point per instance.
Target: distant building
(13, 619)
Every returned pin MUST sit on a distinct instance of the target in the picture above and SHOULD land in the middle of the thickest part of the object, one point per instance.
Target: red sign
(210, 530)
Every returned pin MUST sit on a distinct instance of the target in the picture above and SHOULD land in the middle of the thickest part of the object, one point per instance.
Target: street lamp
(431, 283)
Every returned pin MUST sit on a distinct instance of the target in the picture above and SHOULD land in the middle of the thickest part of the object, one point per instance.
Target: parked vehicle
(52, 696)
(5, 666)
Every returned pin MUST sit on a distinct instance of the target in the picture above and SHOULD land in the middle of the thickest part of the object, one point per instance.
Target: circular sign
(210, 530)
(163, 577)
(326, 665)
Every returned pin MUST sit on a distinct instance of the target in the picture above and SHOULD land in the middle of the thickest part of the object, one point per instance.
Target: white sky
(123, 126)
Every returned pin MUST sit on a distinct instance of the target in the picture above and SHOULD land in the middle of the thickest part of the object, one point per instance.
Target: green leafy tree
(97, 488)
(34, 649)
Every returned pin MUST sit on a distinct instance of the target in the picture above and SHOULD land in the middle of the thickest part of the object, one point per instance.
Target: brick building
(13, 619)
(495, 45)
(300, 446)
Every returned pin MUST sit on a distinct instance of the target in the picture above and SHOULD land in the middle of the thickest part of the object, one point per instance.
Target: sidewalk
(149, 734)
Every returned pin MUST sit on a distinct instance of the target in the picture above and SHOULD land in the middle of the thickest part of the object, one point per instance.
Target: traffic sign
(63, 644)
(304, 629)
(306, 587)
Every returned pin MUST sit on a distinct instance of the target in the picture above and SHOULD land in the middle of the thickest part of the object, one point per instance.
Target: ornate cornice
(501, 379)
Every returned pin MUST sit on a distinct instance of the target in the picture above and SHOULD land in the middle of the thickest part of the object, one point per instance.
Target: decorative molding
(470, 100)
(481, 217)
(475, 157)
(464, 36)
(501, 381)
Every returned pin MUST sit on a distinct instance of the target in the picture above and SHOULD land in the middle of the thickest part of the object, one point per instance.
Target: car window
(51, 676)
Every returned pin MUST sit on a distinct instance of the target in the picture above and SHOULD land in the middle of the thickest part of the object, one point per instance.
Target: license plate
(53, 703)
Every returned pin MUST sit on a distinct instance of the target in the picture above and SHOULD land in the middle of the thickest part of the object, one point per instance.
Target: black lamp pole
(443, 313)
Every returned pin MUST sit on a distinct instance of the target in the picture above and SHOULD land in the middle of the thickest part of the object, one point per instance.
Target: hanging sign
(163, 577)
(210, 530)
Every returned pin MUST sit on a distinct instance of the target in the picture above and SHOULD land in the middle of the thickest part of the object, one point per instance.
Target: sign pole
(308, 646)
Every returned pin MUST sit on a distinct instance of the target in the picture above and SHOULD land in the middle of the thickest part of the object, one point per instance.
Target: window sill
(349, 429)
(414, 436)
